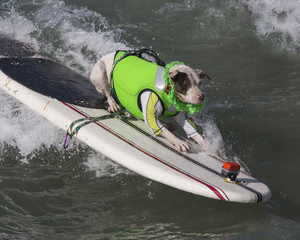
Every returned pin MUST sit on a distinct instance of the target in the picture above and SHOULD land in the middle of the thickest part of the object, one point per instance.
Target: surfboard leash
(124, 115)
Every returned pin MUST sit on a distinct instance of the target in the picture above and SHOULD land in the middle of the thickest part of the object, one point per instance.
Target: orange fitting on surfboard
(230, 170)
(232, 166)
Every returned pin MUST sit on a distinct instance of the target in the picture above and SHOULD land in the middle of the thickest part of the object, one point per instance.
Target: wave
(274, 21)
(76, 37)
(277, 21)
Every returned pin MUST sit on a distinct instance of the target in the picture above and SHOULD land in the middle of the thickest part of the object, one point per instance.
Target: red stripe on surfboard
(213, 189)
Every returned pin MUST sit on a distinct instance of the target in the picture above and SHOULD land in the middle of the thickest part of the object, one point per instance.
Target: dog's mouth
(195, 99)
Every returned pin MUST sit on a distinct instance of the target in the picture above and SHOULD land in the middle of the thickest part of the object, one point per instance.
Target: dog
(184, 81)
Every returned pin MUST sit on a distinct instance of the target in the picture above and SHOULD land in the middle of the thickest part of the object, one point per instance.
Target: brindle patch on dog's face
(181, 83)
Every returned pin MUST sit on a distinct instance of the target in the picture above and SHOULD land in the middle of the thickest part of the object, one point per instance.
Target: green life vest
(131, 76)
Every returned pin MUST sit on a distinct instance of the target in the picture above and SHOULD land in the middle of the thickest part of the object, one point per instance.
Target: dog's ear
(202, 74)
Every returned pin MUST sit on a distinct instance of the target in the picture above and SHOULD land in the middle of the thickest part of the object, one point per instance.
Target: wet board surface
(62, 96)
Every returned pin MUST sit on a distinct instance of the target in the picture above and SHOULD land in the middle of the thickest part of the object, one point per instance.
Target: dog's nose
(201, 97)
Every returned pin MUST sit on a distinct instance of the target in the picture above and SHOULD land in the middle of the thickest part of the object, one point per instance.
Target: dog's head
(186, 83)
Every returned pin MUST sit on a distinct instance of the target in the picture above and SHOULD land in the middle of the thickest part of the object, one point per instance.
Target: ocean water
(250, 48)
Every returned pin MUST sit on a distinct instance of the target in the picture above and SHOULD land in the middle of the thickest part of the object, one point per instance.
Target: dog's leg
(169, 126)
(200, 140)
(99, 78)
(181, 145)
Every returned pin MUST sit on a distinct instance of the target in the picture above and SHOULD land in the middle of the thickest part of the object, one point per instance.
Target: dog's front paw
(113, 106)
(181, 145)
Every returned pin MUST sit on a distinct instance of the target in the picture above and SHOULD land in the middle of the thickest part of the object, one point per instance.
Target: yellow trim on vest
(151, 113)
(192, 123)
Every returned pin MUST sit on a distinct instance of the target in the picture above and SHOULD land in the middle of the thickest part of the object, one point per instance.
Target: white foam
(103, 167)
(278, 21)
(24, 129)
(85, 35)
(18, 27)
(174, 7)
(211, 133)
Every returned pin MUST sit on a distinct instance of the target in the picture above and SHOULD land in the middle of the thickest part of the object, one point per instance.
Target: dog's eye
(198, 82)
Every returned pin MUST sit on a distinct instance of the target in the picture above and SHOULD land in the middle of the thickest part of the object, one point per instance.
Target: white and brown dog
(185, 82)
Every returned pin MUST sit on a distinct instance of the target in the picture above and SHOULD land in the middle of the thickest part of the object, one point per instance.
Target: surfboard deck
(62, 96)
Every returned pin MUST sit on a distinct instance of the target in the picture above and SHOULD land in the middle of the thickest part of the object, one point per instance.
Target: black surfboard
(44, 76)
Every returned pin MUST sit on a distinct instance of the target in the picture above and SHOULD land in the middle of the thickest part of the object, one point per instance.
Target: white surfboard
(62, 96)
